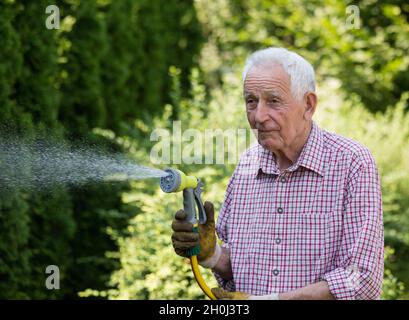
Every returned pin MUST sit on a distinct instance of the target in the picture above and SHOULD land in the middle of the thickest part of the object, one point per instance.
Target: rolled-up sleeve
(221, 228)
(359, 271)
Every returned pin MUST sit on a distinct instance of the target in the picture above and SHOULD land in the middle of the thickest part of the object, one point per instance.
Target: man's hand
(227, 295)
(316, 291)
(184, 238)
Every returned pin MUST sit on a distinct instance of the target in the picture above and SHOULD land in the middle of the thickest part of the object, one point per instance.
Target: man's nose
(262, 112)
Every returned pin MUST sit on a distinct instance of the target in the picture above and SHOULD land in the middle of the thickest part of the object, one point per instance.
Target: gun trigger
(198, 198)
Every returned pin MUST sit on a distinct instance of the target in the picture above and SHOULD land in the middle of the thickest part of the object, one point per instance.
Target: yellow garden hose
(199, 278)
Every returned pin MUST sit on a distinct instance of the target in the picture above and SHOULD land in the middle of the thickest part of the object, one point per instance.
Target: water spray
(43, 165)
(176, 181)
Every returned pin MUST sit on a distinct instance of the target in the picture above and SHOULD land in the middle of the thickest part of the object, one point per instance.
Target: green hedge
(105, 66)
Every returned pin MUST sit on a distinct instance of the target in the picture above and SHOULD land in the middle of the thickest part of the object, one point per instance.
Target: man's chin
(268, 144)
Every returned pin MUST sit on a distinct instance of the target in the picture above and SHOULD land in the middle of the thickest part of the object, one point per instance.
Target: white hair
(300, 70)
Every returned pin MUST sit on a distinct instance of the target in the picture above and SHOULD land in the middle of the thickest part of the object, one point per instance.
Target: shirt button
(278, 241)
(280, 210)
(283, 179)
(276, 272)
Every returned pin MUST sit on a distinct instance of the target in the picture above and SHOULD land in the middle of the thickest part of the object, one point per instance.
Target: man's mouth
(263, 131)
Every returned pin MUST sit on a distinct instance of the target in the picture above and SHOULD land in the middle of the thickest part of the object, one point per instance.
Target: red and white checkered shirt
(320, 219)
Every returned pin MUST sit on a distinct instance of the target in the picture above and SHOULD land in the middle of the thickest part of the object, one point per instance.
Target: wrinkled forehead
(267, 77)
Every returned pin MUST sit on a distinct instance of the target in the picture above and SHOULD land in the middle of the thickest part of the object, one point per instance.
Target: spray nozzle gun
(177, 181)
(191, 186)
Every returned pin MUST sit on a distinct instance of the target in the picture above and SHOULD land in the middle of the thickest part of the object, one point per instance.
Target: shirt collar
(311, 156)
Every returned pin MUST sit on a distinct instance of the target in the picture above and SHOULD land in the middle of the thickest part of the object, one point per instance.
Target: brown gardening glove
(222, 294)
(184, 238)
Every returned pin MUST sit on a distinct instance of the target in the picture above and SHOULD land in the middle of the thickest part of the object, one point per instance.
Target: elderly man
(302, 215)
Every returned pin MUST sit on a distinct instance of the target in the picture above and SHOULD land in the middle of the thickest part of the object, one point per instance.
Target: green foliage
(26, 222)
(65, 83)
(170, 35)
(116, 71)
(82, 103)
(392, 288)
(34, 89)
(370, 60)
(11, 59)
(14, 254)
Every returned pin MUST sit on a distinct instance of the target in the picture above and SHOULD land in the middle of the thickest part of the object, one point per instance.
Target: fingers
(183, 245)
(180, 215)
(179, 224)
(185, 236)
(227, 295)
(182, 241)
(180, 252)
(221, 293)
(209, 208)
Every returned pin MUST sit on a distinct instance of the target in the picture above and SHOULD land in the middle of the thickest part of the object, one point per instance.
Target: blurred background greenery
(116, 70)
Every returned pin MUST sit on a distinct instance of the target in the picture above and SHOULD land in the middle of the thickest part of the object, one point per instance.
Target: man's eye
(273, 101)
(251, 102)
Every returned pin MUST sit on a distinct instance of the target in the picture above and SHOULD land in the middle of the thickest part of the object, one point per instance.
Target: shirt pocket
(311, 236)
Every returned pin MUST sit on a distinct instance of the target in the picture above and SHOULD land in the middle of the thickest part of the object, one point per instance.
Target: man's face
(271, 108)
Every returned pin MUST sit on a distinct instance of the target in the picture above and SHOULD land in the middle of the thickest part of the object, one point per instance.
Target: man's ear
(310, 99)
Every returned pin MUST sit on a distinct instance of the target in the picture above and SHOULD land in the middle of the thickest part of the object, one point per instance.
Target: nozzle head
(177, 181)
(171, 182)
